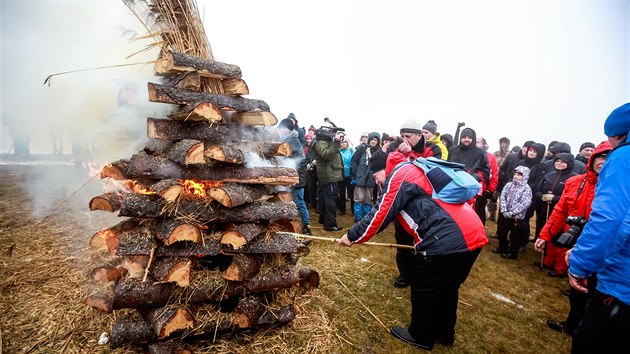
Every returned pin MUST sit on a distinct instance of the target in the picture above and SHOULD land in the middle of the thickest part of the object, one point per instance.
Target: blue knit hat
(618, 122)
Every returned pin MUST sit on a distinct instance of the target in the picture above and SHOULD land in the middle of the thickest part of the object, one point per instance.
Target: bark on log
(171, 231)
(232, 194)
(309, 278)
(101, 297)
(186, 152)
(174, 62)
(152, 206)
(167, 320)
(172, 269)
(237, 152)
(166, 94)
(157, 147)
(243, 267)
(166, 129)
(168, 189)
(107, 239)
(127, 330)
(190, 80)
(168, 348)
(254, 118)
(277, 242)
(116, 170)
(133, 293)
(136, 265)
(139, 244)
(241, 234)
(198, 111)
(247, 312)
(106, 202)
(235, 87)
(277, 317)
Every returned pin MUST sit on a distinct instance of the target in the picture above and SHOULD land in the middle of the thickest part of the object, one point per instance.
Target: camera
(569, 237)
(328, 133)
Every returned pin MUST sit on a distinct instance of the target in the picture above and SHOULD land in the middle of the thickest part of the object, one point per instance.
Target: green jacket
(328, 161)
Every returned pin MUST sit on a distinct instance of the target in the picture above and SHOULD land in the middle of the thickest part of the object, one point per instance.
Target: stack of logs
(209, 245)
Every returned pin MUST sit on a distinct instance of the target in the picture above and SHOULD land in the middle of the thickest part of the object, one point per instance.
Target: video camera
(569, 238)
(328, 133)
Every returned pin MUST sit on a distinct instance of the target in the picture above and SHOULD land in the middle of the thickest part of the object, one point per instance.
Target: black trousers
(605, 327)
(327, 203)
(346, 191)
(405, 258)
(310, 193)
(435, 283)
(480, 207)
(577, 302)
(514, 229)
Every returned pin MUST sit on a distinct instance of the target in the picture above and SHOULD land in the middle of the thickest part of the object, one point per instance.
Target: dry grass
(43, 272)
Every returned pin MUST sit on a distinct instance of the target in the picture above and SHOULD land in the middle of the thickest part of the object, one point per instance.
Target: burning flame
(139, 188)
(198, 188)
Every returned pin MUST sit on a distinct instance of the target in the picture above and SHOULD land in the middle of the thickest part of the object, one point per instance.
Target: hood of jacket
(568, 158)
(467, 132)
(603, 148)
(524, 171)
(540, 148)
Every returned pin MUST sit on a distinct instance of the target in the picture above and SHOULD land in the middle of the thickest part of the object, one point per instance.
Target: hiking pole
(332, 239)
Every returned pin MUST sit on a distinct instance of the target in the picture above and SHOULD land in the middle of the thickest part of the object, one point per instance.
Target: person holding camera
(329, 173)
(603, 248)
(574, 204)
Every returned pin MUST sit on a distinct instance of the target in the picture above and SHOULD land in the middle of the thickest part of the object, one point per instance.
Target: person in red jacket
(576, 199)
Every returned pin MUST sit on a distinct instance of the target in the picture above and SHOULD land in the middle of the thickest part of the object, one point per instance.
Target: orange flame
(194, 188)
(140, 188)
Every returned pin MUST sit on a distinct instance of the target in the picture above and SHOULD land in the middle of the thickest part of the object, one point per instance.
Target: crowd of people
(580, 204)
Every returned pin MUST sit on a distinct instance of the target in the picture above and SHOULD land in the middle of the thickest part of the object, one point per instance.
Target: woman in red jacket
(576, 200)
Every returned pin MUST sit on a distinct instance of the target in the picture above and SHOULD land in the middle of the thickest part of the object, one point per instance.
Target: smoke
(94, 116)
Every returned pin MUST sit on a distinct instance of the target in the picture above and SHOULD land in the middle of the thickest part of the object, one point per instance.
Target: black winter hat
(560, 147)
(529, 143)
(587, 145)
(378, 161)
(504, 139)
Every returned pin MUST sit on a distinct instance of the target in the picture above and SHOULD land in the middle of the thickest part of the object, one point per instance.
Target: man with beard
(474, 159)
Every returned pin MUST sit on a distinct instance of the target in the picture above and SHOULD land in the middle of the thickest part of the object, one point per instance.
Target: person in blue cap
(603, 248)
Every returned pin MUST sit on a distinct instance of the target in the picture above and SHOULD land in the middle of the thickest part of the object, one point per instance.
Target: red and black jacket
(437, 228)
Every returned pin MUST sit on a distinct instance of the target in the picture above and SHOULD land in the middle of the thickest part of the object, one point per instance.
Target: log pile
(208, 245)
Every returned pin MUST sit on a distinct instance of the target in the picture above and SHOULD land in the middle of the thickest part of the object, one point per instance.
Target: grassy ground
(43, 267)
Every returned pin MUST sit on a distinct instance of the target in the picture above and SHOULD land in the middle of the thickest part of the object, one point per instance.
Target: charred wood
(134, 329)
(247, 312)
(243, 267)
(170, 231)
(107, 239)
(170, 347)
(116, 170)
(168, 189)
(172, 269)
(187, 152)
(167, 320)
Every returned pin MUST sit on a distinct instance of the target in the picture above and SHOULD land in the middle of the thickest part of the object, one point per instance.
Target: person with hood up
(447, 140)
(603, 248)
(474, 159)
(290, 136)
(364, 183)
(514, 201)
(301, 132)
(547, 195)
(576, 200)
(559, 148)
(432, 140)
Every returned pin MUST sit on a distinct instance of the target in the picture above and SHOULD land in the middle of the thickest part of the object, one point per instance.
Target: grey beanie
(411, 126)
(430, 126)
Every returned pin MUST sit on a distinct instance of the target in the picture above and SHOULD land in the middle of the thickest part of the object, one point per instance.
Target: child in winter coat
(516, 197)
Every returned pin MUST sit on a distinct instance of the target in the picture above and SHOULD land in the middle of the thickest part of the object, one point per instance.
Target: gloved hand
(461, 124)
(353, 182)
(547, 197)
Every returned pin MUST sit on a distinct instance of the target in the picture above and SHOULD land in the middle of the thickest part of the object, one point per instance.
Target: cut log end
(109, 202)
(234, 239)
(184, 232)
(101, 301)
(180, 320)
(105, 240)
(105, 275)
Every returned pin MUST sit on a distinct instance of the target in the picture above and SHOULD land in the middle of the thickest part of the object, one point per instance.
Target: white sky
(540, 70)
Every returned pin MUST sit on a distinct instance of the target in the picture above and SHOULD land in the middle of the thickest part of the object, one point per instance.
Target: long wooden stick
(359, 301)
(332, 239)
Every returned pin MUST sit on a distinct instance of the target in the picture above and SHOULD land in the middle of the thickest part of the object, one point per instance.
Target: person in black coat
(473, 158)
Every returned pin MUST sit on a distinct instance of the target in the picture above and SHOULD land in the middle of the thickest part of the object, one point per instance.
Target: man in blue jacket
(604, 248)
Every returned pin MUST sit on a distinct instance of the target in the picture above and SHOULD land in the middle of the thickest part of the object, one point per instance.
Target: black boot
(557, 326)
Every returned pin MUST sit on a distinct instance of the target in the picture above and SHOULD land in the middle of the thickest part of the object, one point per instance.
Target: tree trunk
(281, 316)
(166, 94)
(106, 202)
(172, 269)
(243, 267)
(152, 206)
(166, 129)
(107, 239)
(232, 194)
(101, 297)
(190, 80)
(186, 152)
(254, 118)
(198, 111)
(174, 62)
(241, 234)
(236, 152)
(127, 330)
(168, 189)
(166, 320)
(133, 293)
(136, 242)
(139, 243)
(170, 231)
(116, 170)
(276, 242)
(247, 312)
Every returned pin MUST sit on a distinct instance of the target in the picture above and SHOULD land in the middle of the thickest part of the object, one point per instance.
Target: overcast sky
(540, 70)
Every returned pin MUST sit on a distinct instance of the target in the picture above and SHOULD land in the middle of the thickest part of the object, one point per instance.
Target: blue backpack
(450, 181)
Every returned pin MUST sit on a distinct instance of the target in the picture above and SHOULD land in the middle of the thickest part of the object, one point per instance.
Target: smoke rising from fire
(97, 116)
